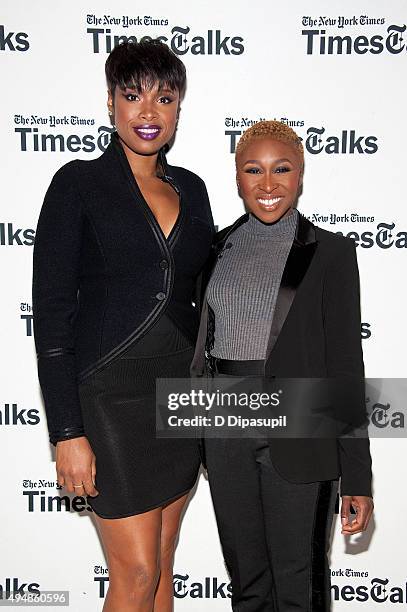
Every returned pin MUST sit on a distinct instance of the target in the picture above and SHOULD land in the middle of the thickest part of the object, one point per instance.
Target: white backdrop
(345, 98)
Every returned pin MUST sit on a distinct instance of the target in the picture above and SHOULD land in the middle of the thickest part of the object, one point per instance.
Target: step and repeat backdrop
(333, 71)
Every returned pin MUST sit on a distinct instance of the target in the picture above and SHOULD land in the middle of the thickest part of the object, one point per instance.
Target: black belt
(235, 367)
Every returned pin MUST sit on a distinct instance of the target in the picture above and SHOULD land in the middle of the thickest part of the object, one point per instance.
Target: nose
(269, 182)
(147, 111)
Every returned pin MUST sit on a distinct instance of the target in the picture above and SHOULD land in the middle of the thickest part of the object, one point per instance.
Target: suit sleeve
(202, 277)
(207, 206)
(55, 284)
(342, 322)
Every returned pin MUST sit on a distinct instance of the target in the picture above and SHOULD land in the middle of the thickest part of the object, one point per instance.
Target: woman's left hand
(363, 507)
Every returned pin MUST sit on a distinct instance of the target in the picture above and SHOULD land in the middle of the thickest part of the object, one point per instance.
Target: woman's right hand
(76, 465)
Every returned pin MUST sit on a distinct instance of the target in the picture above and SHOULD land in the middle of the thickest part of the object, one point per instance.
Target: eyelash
(129, 96)
(282, 168)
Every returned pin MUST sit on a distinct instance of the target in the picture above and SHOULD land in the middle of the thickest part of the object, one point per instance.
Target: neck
(142, 166)
(284, 216)
(278, 230)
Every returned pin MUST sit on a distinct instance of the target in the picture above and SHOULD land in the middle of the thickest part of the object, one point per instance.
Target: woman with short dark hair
(120, 243)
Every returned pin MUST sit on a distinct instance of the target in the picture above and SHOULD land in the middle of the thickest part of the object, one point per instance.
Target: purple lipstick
(147, 131)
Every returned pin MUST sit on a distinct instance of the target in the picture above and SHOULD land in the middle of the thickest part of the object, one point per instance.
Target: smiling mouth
(269, 203)
(147, 132)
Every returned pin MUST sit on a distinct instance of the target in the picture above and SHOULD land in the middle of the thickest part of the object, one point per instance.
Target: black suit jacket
(103, 273)
(315, 333)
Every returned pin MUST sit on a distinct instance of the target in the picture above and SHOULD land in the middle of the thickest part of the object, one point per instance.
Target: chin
(145, 148)
(269, 216)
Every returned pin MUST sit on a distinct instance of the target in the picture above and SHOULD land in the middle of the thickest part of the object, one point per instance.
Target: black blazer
(315, 333)
(103, 273)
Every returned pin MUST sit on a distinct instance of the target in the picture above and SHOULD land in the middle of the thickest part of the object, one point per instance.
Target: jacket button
(163, 264)
(160, 296)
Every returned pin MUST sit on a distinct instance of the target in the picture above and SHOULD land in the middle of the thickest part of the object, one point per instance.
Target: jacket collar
(305, 232)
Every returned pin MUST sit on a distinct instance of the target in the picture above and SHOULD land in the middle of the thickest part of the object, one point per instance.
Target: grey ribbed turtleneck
(243, 289)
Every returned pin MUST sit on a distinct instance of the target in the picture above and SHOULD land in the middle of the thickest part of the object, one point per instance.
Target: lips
(147, 131)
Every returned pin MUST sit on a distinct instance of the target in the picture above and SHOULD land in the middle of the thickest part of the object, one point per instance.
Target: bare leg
(171, 516)
(132, 547)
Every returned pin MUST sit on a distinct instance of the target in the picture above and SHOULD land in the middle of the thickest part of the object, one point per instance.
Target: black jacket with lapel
(103, 272)
(315, 333)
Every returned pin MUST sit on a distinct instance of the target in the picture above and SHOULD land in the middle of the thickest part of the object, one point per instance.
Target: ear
(238, 184)
(110, 103)
(110, 108)
(301, 177)
(300, 183)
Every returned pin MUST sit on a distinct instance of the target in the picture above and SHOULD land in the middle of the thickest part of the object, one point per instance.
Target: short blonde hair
(275, 129)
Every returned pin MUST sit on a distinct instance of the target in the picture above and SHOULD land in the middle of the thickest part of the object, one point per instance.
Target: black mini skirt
(135, 470)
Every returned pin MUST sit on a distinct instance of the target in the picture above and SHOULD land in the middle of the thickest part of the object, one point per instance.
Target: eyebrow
(162, 90)
(256, 161)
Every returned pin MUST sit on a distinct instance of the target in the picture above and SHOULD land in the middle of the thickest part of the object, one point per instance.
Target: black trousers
(274, 534)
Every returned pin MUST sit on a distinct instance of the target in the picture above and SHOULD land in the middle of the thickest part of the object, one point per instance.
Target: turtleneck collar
(282, 229)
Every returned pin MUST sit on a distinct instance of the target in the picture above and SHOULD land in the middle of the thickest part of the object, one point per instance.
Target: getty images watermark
(219, 401)
(288, 408)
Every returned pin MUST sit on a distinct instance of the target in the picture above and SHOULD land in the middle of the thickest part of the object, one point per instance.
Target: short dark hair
(140, 65)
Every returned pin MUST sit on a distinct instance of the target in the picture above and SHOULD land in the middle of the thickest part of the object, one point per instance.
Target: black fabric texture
(274, 533)
(316, 333)
(135, 470)
(99, 277)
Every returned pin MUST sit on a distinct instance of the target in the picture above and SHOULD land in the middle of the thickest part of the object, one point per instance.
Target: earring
(110, 112)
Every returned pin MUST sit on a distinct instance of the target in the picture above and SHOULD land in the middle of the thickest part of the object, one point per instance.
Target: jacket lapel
(297, 264)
